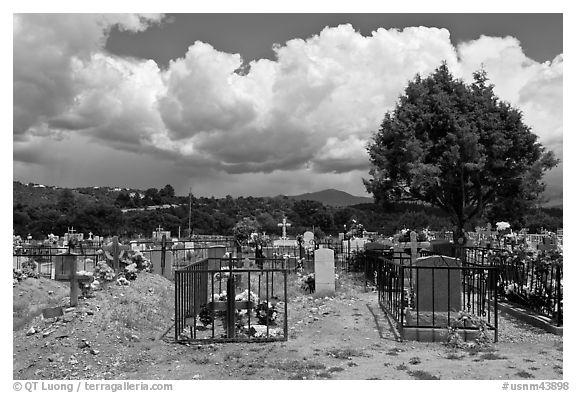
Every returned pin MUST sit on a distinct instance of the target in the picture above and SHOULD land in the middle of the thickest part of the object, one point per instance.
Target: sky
(253, 104)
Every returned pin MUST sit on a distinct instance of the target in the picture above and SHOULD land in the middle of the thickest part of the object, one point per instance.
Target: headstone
(215, 253)
(324, 272)
(308, 239)
(437, 289)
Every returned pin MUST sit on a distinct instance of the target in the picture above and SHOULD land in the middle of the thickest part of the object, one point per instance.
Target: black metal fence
(225, 301)
(530, 282)
(45, 257)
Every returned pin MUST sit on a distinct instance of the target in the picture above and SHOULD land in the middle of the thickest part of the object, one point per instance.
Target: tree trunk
(459, 235)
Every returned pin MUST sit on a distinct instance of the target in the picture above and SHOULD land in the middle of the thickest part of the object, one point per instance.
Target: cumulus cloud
(311, 109)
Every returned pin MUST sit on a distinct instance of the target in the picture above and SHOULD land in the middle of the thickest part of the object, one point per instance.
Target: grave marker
(308, 238)
(324, 272)
(438, 289)
(114, 251)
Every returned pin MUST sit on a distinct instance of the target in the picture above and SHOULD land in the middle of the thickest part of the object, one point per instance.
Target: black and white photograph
(258, 195)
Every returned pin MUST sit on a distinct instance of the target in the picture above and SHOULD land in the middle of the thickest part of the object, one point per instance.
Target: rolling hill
(332, 197)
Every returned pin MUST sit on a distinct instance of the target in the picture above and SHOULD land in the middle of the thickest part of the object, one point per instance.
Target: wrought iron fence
(224, 301)
(525, 281)
(45, 259)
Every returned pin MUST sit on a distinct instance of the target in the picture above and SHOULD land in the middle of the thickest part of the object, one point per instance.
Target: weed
(524, 374)
(529, 361)
(324, 374)
(533, 368)
(454, 355)
(415, 360)
(201, 360)
(419, 374)
(233, 355)
(335, 369)
(346, 353)
(558, 368)
(492, 356)
(402, 367)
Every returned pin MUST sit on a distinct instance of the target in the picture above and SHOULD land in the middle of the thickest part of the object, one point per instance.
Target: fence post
(495, 286)
(73, 279)
(163, 254)
(558, 296)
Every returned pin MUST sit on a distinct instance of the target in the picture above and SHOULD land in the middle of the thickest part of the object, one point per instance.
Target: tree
(457, 147)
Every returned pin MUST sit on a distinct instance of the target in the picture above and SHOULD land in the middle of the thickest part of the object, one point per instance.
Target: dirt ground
(115, 336)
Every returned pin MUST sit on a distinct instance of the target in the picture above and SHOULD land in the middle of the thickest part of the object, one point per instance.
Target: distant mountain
(333, 198)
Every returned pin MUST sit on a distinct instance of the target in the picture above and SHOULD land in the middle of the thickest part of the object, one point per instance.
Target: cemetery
(226, 293)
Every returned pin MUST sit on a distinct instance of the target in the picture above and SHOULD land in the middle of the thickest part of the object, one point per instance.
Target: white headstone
(324, 272)
(308, 239)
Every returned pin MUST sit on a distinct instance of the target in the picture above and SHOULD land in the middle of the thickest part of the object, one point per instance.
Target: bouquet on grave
(266, 313)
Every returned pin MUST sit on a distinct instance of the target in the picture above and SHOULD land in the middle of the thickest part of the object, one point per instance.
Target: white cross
(159, 229)
(284, 225)
(90, 235)
(71, 231)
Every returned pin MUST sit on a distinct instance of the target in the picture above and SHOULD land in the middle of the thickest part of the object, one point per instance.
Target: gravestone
(437, 289)
(215, 253)
(324, 272)
(308, 238)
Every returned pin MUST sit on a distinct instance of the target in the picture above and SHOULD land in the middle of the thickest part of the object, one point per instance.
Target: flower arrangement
(142, 264)
(467, 320)
(266, 313)
(103, 272)
(131, 272)
(206, 315)
(421, 236)
(243, 297)
(308, 283)
(86, 285)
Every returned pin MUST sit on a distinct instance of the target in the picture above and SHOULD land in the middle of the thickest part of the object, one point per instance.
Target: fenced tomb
(426, 296)
(231, 300)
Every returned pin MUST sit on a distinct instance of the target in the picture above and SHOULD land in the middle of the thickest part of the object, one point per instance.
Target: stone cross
(115, 251)
(89, 235)
(159, 229)
(71, 231)
(284, 225)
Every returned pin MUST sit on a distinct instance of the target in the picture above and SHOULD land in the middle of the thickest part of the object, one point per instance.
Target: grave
(324, 272)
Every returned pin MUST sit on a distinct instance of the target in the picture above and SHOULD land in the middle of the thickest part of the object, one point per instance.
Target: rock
(31, 331)
(134, 337)
(197, 376)
(94, 352)
(83, 344)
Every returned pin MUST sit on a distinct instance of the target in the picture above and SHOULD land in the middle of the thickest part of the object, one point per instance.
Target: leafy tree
(457, 147)
(243, 229)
